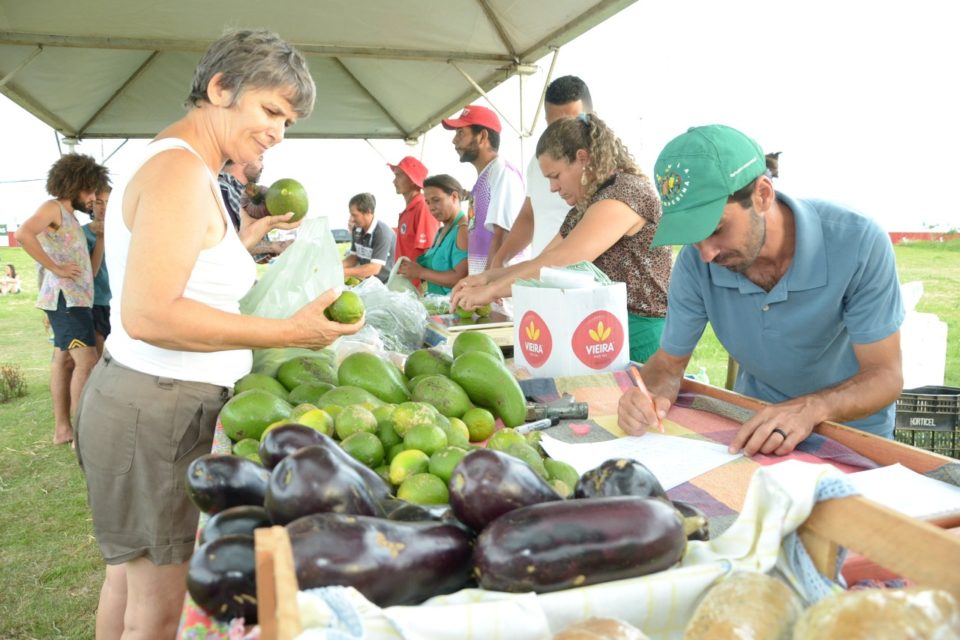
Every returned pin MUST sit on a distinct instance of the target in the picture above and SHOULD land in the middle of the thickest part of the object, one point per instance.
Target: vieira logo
(673, 184)
(598, 340)
(535, 340)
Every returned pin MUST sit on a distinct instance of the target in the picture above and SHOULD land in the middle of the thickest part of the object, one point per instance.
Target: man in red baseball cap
(498, 193)
(416, 228)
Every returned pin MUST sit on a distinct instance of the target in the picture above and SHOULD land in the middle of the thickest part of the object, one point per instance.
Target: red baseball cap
(413, 168)
(474, 114)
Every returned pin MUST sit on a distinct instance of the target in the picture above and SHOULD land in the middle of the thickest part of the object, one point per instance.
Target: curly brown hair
(74, 173)
(608, 155)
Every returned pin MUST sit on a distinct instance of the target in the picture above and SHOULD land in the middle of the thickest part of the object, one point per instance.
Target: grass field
(48, 558)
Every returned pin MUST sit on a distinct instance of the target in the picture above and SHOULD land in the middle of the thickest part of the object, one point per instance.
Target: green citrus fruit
(458, 435)
(286, 195)
(442, 462)
(480, 424)
(559, 470)
(346, 309)
(484, 311)
(504, 439)
(428, 438)
(463, 313)
(424, 488)
(365, 447)
(410, 414)
(352, 419)
(407, 463)
(528, 454)
(318, 419)
(393, 450)
(246, 446)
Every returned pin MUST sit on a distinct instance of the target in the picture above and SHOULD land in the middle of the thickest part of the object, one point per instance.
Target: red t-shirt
(416, 229)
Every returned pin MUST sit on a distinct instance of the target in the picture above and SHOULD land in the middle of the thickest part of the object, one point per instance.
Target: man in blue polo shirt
(802, 293)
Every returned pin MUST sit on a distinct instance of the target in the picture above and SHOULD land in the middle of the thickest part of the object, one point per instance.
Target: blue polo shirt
(841, 289)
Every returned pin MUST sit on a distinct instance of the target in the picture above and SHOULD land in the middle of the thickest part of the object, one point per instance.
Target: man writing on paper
(803, 293)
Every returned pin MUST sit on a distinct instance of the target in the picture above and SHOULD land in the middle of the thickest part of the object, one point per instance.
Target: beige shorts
(136, 435)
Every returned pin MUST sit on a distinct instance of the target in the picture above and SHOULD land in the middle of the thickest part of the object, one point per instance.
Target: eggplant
(619, 477)
(315, 480)
(376, 485)
(574, 543)
(487, 484)
(216, 482)
(696, 523)
(390, 563)
(281, 441)
(235, 520)
(222, 578)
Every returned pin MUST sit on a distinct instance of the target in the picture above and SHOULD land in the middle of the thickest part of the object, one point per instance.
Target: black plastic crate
(929, 418)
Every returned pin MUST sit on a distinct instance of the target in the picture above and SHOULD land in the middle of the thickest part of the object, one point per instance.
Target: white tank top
(221, 276)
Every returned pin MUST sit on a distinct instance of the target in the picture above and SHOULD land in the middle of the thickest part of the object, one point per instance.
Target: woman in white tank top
(178, 270)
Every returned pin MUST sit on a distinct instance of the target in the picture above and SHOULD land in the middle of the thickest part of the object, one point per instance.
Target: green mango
(375, 374)
(490, 384)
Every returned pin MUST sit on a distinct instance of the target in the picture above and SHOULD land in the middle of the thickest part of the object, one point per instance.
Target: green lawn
(50, 564)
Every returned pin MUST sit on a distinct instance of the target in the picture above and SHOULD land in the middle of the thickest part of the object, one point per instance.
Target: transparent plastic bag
(307, 268)
(399, 317)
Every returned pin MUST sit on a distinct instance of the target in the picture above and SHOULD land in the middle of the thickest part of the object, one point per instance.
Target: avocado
(248, 413)
(375, 374)
(260, 381)
(346, 395)
(490, 384)
(424, 361)
(476, 341)
(444, 394)
(301, 369)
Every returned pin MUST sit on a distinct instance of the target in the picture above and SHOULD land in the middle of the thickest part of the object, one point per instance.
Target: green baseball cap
(696, 172)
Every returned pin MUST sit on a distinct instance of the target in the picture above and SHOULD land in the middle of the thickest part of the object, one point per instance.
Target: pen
(536, 425)
(637, 380)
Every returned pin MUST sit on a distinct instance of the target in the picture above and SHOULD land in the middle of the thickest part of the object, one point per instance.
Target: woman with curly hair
(615, 212)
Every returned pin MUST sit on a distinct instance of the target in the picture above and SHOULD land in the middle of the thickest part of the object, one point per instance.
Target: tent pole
(483, 93)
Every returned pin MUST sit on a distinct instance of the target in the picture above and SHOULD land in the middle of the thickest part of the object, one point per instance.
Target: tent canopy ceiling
(123, 68)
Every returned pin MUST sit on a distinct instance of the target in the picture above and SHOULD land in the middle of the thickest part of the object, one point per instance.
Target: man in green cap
(802, 293)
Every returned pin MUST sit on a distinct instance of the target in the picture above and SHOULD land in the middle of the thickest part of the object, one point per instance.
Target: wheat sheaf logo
(532, 331)
(601, 333)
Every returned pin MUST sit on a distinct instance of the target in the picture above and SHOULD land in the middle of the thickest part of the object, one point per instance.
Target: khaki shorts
(136, 435)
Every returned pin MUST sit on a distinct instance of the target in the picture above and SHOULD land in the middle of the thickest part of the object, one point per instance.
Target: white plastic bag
(307, 268)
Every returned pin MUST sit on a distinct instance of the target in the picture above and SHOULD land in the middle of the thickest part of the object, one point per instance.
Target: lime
(317, 419)
(353, 419)
(410, 414)
(442, 462)
(246, 446)
(428, 438)
(528, 454)
(504, 439)
(393, 450)
(424, 488)
(463, 313)
(458, 435)
(387, 434)
(480, 424)
(384, 472)
(365, 447)
(346, 309)
(484, 311)
(559, 470)
(286, 195)
(407, 463)
(301, 409)
(333, 409)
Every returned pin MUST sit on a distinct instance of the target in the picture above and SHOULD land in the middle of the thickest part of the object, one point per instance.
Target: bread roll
(881, 614)
(745, 605)
(600, 629)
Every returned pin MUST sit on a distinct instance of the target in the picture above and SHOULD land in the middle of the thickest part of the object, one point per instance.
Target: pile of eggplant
(505, 528)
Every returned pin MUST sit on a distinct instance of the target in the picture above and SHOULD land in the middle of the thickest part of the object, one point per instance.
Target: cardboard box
(566, 332)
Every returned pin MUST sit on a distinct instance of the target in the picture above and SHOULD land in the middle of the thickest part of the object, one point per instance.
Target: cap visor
(690, 225)
(453, 124)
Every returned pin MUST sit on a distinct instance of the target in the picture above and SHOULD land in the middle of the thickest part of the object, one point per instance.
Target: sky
(860, 97)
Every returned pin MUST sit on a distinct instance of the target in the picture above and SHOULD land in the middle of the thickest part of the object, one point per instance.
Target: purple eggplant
(217, 482)
(619, 477)
(389, 562)
(222, 580)
(487, 484)
(574, 543)
(235, 520)
(281, 441)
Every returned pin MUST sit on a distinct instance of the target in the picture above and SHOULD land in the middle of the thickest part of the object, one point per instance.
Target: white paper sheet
(907, 491)
(673, 459)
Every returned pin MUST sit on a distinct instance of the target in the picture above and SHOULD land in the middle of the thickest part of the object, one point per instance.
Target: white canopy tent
(119, 68)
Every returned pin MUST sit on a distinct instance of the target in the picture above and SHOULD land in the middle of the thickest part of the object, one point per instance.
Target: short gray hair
(257, 59)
